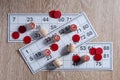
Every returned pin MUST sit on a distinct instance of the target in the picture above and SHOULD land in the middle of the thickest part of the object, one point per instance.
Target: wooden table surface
(103, 14)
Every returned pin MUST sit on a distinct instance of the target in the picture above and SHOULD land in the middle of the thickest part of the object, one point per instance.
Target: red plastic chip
(57, 14)
(27, 39)
(54, 47)
(32, 25)
(99, 51)
(73, 27)
(22, 29)
(97, 57)
(75, 58)
(15, 35)
(92, 51)
(51, 13)
(56, 37)
(86, 58)
(76, 38)
(47, 52)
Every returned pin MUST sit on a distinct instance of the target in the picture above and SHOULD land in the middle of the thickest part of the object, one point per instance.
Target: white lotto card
(67, 34)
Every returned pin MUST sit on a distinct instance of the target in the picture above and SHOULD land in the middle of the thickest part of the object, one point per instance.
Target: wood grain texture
(103, 14)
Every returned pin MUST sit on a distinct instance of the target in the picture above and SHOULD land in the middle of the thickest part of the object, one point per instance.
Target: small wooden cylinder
(43, 32)
(57, 62)
(71, 48)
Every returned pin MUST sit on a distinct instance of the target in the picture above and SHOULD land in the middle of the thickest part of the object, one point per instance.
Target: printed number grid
(104, 64)
(42, 20)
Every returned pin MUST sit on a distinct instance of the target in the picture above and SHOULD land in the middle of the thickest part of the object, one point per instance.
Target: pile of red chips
(55, 14)
(97, 52)
(21, 30)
